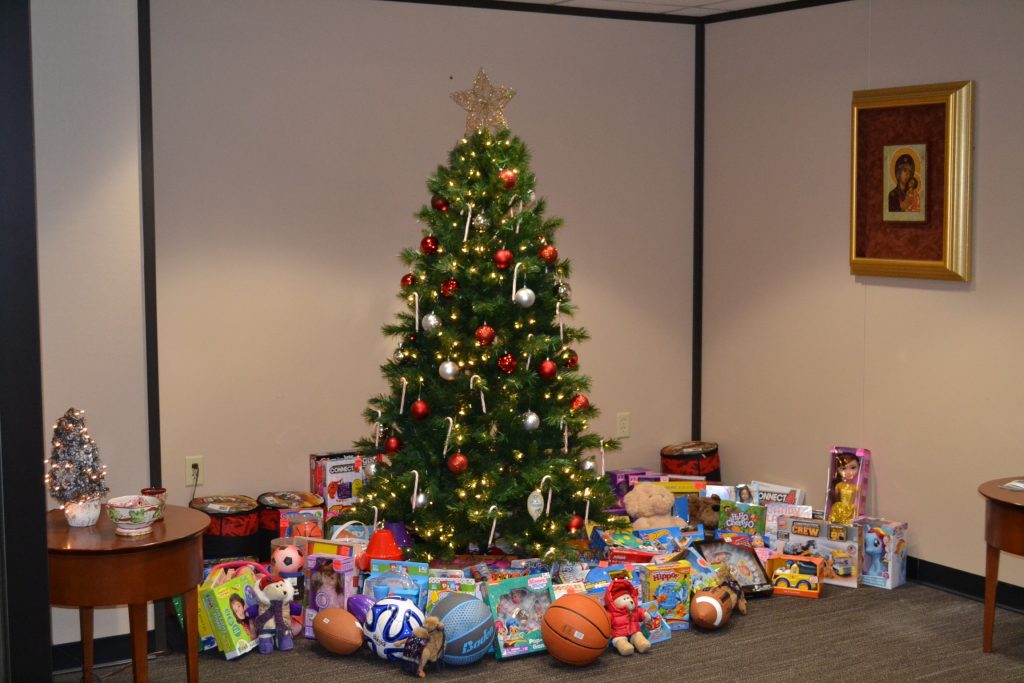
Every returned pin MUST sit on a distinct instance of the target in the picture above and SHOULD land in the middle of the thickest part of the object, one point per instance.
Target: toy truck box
(795, 575)
(885, 552)
(669, 585)
(839, 546)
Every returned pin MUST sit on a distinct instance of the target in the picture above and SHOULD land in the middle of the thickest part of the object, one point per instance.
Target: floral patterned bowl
(134, 515)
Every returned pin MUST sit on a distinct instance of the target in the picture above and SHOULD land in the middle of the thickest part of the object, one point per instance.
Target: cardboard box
(795, 575)
(225, 607)
(839, 546)
(669, 585)
(337, 477)
(331, 580)
(884, 552)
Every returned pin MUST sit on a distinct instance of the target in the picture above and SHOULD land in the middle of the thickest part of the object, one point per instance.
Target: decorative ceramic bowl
(134, 515)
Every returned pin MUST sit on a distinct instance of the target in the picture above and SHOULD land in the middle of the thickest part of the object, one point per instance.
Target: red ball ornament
(575, 524)
(449, 287)
(548, 253)
(429, 245)
(392, 444)
(547, 369)
(570, 359)
(419, 410)
(438, 203)
(507, 363)
(485, 335)
(503, 259)
(508, 178)
(457, 463)
(408, 280)
(579, 402)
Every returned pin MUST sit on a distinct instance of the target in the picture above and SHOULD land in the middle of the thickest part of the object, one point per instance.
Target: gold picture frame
(910, 207)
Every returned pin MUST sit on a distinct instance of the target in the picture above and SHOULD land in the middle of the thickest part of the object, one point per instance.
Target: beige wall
(86, 87)
(292, 146)
(799, 354)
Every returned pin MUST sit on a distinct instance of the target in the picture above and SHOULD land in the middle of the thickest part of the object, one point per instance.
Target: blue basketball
(468, 628)
(389, 621)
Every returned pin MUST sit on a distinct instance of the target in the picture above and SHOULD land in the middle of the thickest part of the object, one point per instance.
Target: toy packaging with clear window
(847, 492)
(331, 580)
(885, 552)
(839, 546)
(518, 606)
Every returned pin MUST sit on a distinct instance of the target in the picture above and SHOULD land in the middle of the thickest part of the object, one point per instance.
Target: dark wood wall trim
(24, 599)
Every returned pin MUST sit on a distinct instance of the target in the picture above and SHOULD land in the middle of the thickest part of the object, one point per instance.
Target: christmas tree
(485, 425)
(75, 473)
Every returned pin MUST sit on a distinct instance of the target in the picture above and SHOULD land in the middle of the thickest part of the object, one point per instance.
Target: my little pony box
(669, 585)
(884, 553)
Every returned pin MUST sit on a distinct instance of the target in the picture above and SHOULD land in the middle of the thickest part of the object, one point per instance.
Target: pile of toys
(696, 552)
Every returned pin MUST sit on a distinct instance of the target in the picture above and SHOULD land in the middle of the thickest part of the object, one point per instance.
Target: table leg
(85, 630)
(137, 614)
(190, 600)
(991, 581)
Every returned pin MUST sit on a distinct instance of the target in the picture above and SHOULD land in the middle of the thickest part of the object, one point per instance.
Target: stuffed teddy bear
(704, 511)
(620, 601)
(426, 645)
(273, 620)
(650, 507)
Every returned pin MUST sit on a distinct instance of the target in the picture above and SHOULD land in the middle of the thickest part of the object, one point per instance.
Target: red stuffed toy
(620, 601)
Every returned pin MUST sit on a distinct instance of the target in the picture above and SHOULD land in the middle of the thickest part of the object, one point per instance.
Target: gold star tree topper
(484, 103)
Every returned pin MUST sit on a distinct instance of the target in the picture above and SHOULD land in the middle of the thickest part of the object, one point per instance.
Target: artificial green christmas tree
(485, 425)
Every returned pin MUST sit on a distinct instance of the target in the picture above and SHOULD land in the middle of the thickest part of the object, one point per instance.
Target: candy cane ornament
(483, 404)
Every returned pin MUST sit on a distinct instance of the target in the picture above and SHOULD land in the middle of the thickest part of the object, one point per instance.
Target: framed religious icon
(910, 181)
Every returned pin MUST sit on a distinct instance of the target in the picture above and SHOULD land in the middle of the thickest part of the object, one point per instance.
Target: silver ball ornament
(431, 322)
(525, 297)
(530, 421)
(448, 370)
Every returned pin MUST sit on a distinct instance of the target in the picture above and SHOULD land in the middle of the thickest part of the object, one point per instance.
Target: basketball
(576, 629)
(468, 628)
(338, 631)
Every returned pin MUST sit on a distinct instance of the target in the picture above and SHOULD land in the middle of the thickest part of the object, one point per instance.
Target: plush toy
(704, 511)
(650, 507)
(426, 645)
(710, 609)
(620, 601)
(273, 621)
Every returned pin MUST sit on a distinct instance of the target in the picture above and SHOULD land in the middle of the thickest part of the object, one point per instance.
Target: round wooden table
(1004, 530)
(95, 567)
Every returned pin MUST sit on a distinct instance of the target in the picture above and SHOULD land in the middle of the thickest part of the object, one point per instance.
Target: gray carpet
(912, 633)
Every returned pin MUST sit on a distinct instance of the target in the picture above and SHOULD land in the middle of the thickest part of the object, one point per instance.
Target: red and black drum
(234, 526)
(693, 458)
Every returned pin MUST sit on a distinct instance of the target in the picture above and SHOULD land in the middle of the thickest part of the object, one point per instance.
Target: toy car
(841, 564)
(799, 575)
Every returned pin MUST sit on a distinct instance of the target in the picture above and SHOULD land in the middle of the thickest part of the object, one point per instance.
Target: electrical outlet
(194, 470)
(622, 425)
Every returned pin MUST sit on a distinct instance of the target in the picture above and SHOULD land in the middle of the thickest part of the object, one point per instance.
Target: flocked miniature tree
(487, 411)
(74, 471)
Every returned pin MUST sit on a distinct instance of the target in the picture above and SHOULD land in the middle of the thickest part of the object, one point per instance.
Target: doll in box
(843, 489)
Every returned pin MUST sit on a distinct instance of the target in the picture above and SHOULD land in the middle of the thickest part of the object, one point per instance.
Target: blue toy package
(401, 579)
(658, 630)
(671, 539)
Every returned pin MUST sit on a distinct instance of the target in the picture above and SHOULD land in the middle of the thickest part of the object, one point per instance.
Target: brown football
(707, 610)
(338, 631)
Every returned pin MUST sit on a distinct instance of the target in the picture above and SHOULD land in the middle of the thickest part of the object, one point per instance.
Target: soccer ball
(388, 622)
(286, 559)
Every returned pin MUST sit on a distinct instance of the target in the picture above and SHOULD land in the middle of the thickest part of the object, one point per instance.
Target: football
(337, 631)
(389, 622)
(286, 559)
(707, 610)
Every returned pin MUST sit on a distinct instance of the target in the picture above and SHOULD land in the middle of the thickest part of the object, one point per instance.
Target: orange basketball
(576, 629)
(307, 530)
(338, 631)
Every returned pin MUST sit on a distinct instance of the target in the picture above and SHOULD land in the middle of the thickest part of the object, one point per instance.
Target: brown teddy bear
(650, 507)
(704, 511)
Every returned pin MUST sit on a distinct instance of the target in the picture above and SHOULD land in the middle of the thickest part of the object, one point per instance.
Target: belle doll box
(847, 491)
(885, 553)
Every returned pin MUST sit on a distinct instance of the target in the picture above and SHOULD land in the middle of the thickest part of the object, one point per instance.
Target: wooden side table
(1004, 530)
(95, 567)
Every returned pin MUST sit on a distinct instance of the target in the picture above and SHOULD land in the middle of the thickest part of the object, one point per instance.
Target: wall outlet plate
(191, 478)
(622, 425)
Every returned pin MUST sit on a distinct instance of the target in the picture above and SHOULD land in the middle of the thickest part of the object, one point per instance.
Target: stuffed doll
(704, 510)
(650, 507)
(620, 601)
(426, 645)
(274, 618)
